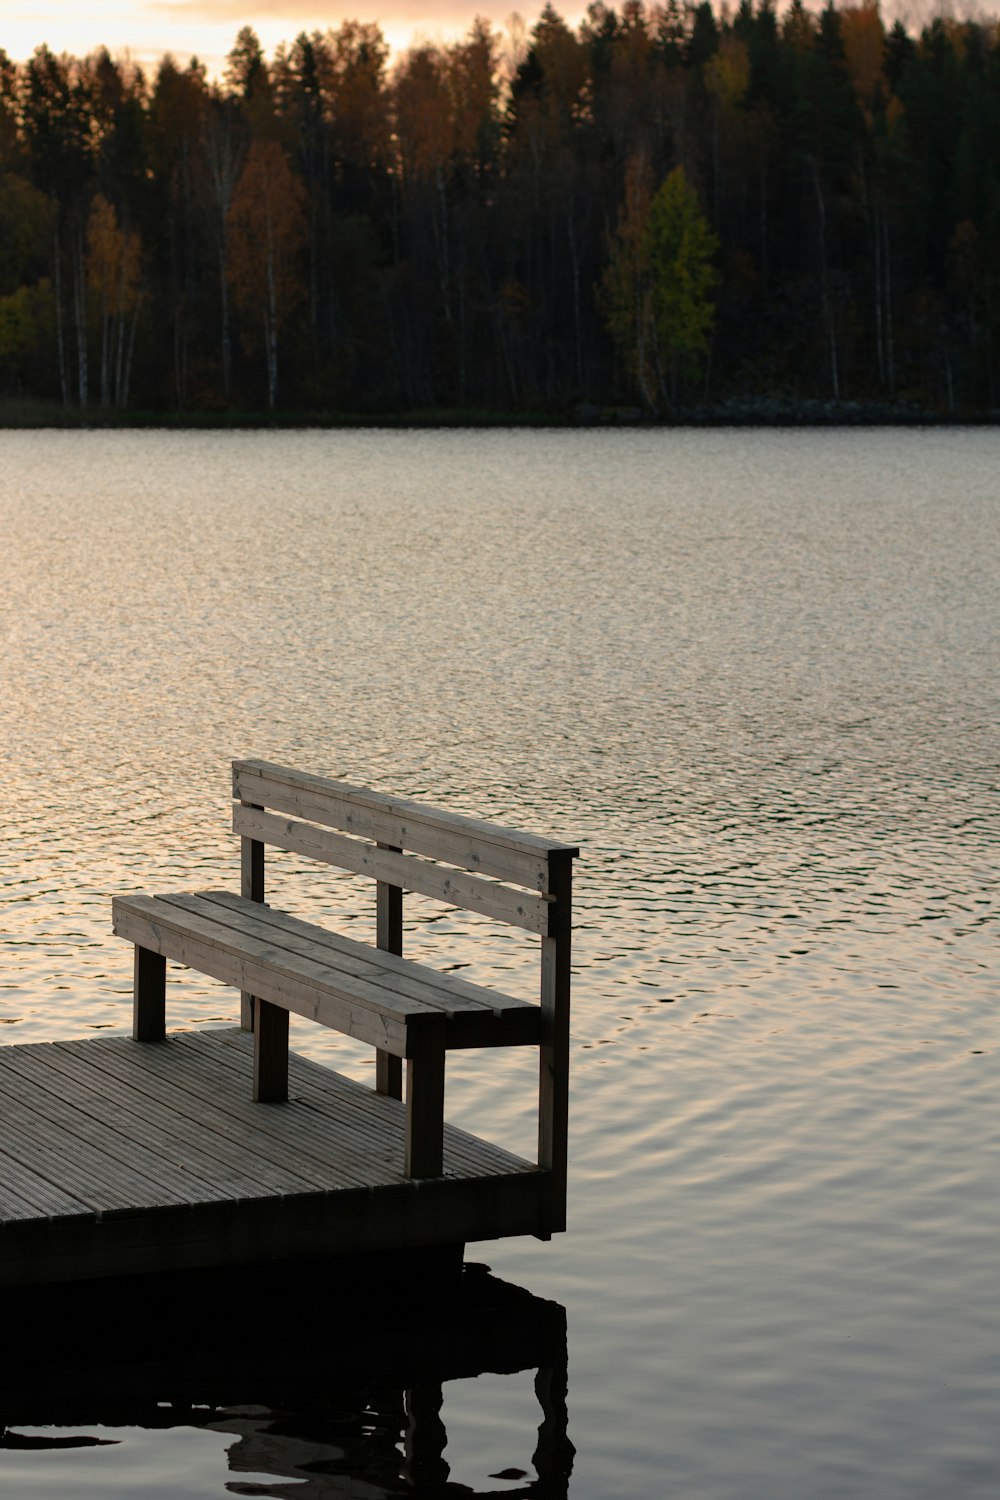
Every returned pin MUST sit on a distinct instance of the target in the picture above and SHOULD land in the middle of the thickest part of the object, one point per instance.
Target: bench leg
(149, 996)
(425, 1104)
(270, 1053)
(388, 1074)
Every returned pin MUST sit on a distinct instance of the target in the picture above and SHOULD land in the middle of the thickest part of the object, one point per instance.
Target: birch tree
(267, 226)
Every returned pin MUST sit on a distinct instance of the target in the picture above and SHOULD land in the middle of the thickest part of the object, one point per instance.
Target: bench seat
(364, 992)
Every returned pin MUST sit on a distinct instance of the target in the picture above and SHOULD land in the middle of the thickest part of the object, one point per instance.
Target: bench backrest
(511, 876)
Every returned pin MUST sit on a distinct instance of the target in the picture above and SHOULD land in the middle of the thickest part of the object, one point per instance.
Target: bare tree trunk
(224, 158)
(127, 379)
(879, 299)
(949, 378)
(107, 328)
(180, 362)
(60, 333)
(80, 308)
(887, 277)
(762, 206)
(574, 256)
(441, 237)
(271, 327)
(831, 331)
(227, 353)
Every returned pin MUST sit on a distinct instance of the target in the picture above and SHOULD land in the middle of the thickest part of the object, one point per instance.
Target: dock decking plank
(133, 1176)
(373, 1134)
(356, 1112)
(109, 1100)
(280, 1125)
(59, 1157)
(124, 1140)
(369, 1142)
(256, 1175)
(32, 1196)
(334, 1092)
(405, 980)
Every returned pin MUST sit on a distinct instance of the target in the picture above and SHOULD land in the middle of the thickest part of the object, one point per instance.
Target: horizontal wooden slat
(472, 893)
(484, 848)
(259, 969)
(477, 1017)
(62, 1151)
(28, 1194)
(99, 1122)
(116, 1075)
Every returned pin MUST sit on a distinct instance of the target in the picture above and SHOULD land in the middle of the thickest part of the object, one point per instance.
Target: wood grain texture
(469, 843)
(516, 908)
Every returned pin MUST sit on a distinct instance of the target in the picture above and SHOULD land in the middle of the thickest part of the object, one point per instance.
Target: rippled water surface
(755, 676)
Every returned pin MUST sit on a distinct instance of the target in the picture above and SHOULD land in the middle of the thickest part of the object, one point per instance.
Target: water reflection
(345, 1398)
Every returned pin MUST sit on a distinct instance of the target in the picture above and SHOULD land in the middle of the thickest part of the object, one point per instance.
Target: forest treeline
(666, 207)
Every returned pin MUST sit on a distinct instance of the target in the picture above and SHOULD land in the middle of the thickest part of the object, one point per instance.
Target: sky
(207, 28)
(147, 29)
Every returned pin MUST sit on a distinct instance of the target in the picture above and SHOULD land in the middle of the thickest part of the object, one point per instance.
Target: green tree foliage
(682, 250)
(658, 284)
(25, 323)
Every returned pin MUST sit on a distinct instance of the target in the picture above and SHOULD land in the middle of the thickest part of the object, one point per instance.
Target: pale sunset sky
(207, 28)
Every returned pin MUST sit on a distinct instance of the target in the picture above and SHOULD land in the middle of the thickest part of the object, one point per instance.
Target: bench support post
(149, 996)
(270, 1053)
(388, 937)
(553, 1093)
(425, 1101)
(252, 887)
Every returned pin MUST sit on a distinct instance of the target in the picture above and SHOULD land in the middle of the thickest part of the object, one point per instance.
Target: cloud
(299, 15)
(209, 27)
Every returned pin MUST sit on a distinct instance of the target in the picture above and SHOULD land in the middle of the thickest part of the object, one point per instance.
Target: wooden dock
(172, 1152)
(118, 1157)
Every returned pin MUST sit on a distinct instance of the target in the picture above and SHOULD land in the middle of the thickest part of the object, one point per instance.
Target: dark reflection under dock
(343, 1400)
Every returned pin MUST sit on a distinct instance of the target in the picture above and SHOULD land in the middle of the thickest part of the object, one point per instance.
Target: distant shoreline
(34, 415)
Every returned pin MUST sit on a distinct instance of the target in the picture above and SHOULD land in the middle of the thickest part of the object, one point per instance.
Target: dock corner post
(424, 1154)
(553, 1091)
(388, 937)
(252, 888)
(149, 996)
(270, 1053)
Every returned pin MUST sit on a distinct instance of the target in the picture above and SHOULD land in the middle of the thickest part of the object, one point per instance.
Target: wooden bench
(404, 1009)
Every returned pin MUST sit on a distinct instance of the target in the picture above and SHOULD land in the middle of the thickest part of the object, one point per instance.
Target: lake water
(755, 676)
